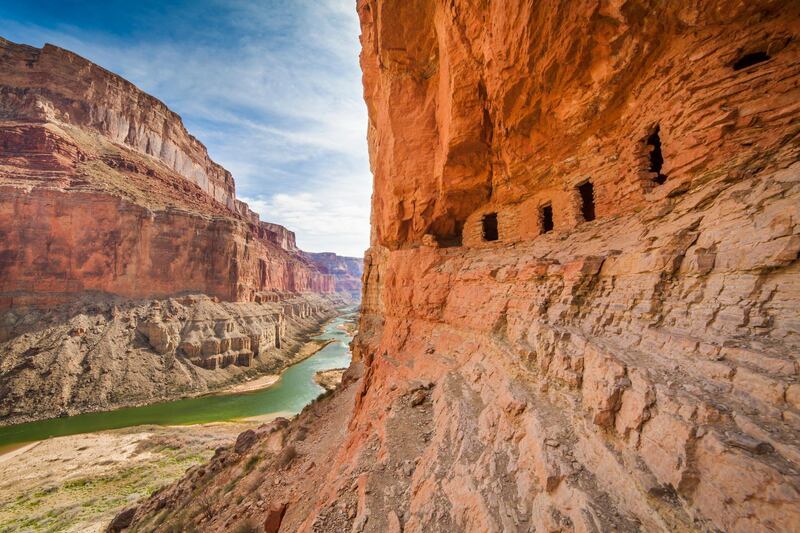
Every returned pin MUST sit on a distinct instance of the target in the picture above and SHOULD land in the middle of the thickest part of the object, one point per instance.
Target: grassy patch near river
(78, 483)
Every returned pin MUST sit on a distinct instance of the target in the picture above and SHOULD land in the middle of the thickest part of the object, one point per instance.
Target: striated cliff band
(581, 300)
(129, 271)
(346, 271)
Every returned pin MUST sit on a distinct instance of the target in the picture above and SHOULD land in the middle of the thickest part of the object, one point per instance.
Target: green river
(295, 389)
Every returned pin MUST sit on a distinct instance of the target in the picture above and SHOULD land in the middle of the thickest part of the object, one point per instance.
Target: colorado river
(293, 391)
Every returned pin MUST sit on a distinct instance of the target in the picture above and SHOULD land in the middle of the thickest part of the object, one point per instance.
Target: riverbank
(99, 356)
(262, 382)
(329, 379)
(78, 482)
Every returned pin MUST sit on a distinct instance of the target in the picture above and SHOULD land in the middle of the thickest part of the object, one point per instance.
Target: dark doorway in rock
(586, 191)
(748, 60)
(453, 238)
(656, 157)
(490, 227)
(546, 215)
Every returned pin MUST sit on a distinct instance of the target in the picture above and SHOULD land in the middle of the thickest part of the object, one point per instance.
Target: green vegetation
(74, 501)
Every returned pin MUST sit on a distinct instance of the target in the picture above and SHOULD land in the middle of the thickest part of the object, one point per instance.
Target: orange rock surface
(103, 190)
(581, 302)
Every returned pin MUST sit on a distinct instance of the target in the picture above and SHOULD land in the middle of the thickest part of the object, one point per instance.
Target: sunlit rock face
(103, 190)
(100, 354)
(580, 305)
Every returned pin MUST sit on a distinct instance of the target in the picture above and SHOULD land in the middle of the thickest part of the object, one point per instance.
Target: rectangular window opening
(546, 214)
(490, 227)
(748, 60)
(656, 157)
(586, 192)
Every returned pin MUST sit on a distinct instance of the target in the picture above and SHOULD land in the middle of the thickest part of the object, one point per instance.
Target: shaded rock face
(346, 271)
(580, 306)
(279, 235)
(102, 189)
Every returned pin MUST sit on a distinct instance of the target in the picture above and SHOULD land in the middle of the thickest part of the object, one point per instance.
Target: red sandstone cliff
(580, 309)
(346, 271)
(106, 203)
(102, 189)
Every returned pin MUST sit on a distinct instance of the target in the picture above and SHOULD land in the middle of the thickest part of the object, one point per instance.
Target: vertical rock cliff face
(580, 309)
(346, 271)
(586, 235)
(106, 204)
(52, 84)
(104, 190)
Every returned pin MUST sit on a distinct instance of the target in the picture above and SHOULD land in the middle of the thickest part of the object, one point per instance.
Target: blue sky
(272, 88)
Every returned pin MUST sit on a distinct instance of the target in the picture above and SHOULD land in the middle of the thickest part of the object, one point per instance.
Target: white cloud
(324, 220)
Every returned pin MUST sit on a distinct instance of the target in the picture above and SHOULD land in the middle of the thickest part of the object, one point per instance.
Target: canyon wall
(103, 190)
(279, 235)
(96, 355)
(129, 271)
(588, 240)
(55, 85)
(346, 271)
(581, 300)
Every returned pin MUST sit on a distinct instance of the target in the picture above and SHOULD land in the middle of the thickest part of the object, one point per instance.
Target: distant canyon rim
(580, 305)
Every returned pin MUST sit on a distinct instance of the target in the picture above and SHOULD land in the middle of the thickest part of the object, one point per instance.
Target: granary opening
(586, 191)
(656, 157)
(453, 238)
(490, 227)
(447, 231)
(748, 60)
(546, 216)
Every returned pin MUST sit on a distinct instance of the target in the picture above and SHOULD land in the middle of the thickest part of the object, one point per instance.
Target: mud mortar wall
(488, 114)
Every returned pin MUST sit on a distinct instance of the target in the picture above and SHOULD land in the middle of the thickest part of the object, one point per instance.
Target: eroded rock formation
(92, 355)
(106, 203)
(102, 189)
(346, 271)
(580, 309)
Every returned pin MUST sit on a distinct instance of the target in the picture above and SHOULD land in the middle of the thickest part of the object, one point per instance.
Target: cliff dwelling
(546, 218)
(490, 230)
(586, 194)
(636, 371)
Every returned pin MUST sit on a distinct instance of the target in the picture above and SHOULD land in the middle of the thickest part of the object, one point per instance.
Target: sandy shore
(258, 383)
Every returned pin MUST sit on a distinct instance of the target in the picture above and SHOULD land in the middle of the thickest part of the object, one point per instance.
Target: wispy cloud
(272, 88)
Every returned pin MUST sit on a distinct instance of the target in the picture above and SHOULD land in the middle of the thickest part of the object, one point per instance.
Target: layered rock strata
(98, 355)
(346, 271)
(111, 213)
(580, 309)
(103, 190)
